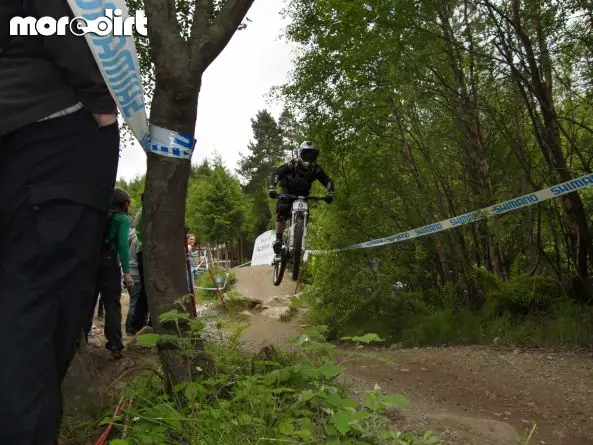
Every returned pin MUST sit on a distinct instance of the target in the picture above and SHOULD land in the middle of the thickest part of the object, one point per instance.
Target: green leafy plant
(287, 397)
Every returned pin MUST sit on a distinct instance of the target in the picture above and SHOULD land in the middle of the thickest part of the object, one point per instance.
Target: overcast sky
(234, 88)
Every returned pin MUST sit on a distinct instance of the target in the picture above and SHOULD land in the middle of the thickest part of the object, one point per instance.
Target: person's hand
(104, 120)
(128, 281)
(273, 193)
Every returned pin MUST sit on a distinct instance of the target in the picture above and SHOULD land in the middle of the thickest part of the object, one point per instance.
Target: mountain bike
(293, 243)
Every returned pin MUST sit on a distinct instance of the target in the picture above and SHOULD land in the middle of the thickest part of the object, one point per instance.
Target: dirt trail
(469, 395)
(256, 282)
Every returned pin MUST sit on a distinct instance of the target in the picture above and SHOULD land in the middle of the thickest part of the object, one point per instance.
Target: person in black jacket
(59, 143)
(296, 178)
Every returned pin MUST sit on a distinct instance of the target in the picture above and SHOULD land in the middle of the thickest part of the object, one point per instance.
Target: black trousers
(138, 314)
(56, 182)
(108, 285)
(283, 209)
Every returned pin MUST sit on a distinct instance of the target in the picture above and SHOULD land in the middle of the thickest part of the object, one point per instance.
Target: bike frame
(300, 209)
(299, 206)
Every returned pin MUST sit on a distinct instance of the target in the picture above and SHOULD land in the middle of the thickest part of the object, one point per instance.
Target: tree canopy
(427, 110)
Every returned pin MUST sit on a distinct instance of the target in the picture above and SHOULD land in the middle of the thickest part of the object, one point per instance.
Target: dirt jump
(470, 395)
(256, 283)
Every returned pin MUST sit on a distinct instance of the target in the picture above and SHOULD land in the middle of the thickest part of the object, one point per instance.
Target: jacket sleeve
(325, 180)
(72, 54)
(278, 175)
(122, 244)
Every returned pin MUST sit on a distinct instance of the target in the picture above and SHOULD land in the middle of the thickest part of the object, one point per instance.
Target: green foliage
(443, 326)
(271, 397)
(524, 294)
(217, 211)
(412, 115)
(526, 309)
(205, 280)
(273, 142)
(367, 338)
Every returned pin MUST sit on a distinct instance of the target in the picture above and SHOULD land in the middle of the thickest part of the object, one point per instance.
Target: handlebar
(304, 198)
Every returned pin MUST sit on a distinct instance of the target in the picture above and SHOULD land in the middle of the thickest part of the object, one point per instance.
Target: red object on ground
(102, 440)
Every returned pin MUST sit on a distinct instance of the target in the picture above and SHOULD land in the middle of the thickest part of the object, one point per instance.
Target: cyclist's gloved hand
(273, 193)
(329, 198)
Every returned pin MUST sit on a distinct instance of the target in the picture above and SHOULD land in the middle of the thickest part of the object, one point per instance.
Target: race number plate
(300, 206)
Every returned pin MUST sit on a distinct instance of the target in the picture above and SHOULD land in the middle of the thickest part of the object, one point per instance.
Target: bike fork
(305, 218)
(291, 230)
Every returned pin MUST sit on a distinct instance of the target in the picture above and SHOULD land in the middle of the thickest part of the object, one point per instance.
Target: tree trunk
(180, 57)
(547, 128)
(174, 107)
(432, 209)
(463, 94)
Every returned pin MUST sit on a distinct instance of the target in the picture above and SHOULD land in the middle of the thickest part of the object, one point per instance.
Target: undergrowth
(525, 310)
(271, 398)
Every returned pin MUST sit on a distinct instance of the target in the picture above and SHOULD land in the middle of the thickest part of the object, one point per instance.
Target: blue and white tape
(117, 59)
(171, 143)
(471, 217)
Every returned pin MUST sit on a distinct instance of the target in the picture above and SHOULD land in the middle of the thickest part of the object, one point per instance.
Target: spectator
(191, 242)
(59, 143)
(193, 253)
(138, 313)
(135, 273)
(114, 253)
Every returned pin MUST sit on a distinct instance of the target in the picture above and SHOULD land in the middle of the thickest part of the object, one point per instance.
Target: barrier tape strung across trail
(471, 217)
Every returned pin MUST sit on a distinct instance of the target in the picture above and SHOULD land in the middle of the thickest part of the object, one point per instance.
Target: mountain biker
(296, 178)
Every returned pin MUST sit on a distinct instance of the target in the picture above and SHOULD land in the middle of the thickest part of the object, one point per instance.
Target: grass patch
(77, 428)
(565, 325)
(204, 280)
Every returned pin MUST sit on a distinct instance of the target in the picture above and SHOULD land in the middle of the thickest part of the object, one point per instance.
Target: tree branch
(201, 21)
(207, 47)
(578, 124)
(164, 32)
(529, 51)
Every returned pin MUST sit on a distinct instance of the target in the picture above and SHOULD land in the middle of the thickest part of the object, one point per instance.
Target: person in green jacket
(109, 278)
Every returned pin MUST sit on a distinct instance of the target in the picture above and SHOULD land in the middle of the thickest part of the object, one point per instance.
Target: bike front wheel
(279, 266)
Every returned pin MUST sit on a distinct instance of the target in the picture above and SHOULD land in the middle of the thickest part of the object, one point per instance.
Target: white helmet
(308, 153)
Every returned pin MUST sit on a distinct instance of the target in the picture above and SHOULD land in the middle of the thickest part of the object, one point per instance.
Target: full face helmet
(308, 152)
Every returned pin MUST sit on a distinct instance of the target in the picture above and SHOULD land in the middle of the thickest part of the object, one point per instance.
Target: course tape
(471, 217)
(171, 143)
(117, 59)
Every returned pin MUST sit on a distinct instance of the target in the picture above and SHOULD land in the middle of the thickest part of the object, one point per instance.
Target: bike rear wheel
(298, 243)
